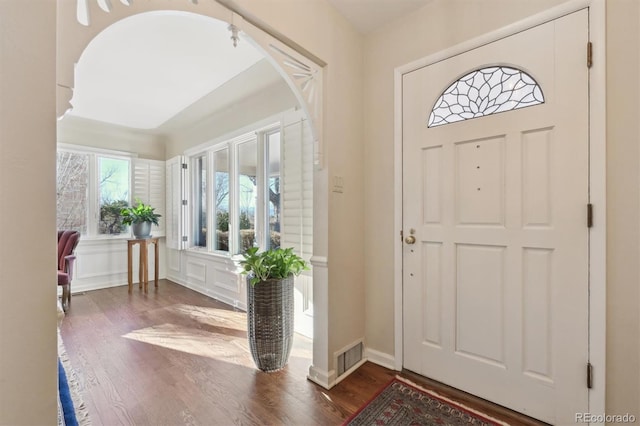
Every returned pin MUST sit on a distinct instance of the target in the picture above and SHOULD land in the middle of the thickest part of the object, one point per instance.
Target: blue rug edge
(66, 402)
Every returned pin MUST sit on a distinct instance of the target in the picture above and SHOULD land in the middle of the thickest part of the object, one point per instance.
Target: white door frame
(597, 178)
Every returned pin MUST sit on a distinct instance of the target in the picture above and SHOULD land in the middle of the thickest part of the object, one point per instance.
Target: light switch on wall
(338, 184)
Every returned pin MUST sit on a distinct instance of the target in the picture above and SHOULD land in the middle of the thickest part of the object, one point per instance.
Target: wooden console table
(144, 264)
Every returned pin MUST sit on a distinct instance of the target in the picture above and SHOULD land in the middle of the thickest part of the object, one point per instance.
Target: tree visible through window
(247, 193)
(221, 164)
(200, 201)
(72, 188)
(244, 198)
(92, 207)
(113, 189)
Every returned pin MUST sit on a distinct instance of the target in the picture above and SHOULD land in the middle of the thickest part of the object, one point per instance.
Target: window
(243, 195)
(247, 193)
(221, 197)
(484, 92)
(113, 193)
(92, 188)
(200, 201)
(273, 188)
(72, 191)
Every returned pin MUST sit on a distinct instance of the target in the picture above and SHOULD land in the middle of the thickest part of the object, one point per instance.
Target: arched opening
(183, 132)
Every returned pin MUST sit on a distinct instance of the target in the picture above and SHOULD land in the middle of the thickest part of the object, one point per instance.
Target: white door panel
(495, 288)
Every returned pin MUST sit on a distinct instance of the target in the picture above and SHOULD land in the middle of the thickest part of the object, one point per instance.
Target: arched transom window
(483, 92)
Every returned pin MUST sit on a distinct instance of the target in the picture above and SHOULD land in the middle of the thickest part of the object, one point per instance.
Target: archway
(79, 23)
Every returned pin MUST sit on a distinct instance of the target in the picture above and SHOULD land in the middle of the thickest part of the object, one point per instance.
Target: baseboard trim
(81, 288)
(326, 379)
(82, 285)
(381, 358)
(203, 290)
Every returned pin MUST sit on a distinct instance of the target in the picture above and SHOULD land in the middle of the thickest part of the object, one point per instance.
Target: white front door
(495, 286)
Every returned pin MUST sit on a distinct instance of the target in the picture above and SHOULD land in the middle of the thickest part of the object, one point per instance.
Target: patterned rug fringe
(82, 413)
(450, 401)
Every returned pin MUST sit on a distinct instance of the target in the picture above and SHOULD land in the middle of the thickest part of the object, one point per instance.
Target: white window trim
(258, 133)
(82, 149)
(93, 202)
(211, 220)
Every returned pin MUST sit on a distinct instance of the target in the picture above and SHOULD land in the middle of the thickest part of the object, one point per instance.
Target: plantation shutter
(149, 187)
(175, 208)
(297, 198)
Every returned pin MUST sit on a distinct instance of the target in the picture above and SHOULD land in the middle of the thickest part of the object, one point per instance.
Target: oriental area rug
(404, 403)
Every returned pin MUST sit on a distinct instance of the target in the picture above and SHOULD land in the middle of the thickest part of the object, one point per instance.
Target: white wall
(623, 207)
(28, 369)
(267, 103)
(96, 134)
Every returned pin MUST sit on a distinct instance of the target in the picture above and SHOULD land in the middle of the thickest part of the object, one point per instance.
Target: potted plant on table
(140, 217)
(270, 313)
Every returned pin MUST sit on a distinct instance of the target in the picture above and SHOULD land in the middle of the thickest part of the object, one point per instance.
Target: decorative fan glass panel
(484, 92)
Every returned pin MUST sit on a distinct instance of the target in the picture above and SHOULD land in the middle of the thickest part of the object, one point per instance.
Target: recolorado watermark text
(605, 418)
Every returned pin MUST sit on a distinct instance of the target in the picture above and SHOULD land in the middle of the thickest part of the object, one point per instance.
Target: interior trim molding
(381, 358)
(319, 261)
(326, 379)
(253, 20)
(89, 286)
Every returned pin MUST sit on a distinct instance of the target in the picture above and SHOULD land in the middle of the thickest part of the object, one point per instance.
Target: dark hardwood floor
(176, 357)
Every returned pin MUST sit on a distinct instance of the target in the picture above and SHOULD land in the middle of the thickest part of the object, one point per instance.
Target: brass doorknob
(410, 239)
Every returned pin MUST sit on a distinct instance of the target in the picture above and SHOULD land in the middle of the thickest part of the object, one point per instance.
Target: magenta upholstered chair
(67, 242)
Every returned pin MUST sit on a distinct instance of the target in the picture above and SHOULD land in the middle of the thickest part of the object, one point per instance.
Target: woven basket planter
(270, 321)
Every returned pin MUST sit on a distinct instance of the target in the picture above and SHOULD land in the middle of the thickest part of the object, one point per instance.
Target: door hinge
(184, 202)
(184, 166)
(589, 54)
(589, 375)
(589, 215)
(184, 239)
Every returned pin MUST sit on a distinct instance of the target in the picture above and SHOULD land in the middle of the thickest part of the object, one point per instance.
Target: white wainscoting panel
(215, 276)
(173, 262)
(196, 271)
(102, 263)
(228, 286)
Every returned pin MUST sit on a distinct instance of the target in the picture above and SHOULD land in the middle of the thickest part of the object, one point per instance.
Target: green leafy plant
(139, 213)
(222, 220)
(271, 264)
(111, 217)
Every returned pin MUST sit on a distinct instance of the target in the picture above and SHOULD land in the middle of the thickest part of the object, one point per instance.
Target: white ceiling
(257, 78)
(149, 69)
(368, 15)
(145, 69)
